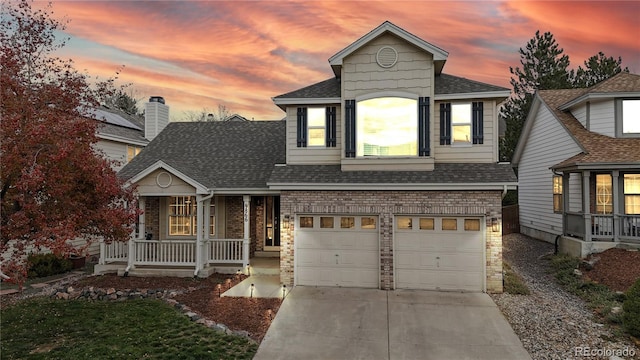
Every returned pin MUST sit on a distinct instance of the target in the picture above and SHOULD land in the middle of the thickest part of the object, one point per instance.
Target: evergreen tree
(597, 68)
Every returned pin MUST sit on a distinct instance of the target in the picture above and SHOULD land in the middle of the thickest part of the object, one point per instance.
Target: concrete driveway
(347, 323)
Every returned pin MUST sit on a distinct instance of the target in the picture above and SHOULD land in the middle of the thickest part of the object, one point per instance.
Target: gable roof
(439, 55)
(598, 149)
(444, 176)
(221, 155)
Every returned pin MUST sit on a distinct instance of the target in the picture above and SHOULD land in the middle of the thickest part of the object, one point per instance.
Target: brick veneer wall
(235, 217)
(389, 203)
(257, 216)
(152, 216)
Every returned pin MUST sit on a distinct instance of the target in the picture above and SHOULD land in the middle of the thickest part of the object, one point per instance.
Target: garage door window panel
(368, 223)
(427, 223)
(471, 224)
(306, 221)
(450, 224)
(347, 222)
(405, 223)
(326, 222)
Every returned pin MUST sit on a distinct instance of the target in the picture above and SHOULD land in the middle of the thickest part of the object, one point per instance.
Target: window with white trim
(316, 126)
(212, 220)
(132, 151)
(182, 215)
(632, 194)
(461, 123)
(557, 194)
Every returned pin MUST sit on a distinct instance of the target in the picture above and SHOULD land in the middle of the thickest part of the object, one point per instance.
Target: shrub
(631, 307)
(513, 284)
(41, 265)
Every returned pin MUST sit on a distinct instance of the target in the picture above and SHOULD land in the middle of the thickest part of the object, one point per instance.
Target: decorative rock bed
(99, 294)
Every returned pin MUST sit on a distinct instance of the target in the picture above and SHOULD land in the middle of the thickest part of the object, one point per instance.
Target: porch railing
(227, 251)
(165, 252)
(176, 252)
(604, 227)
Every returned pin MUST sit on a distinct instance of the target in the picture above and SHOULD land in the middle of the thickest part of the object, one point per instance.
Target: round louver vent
(387, 57)
(164, 179)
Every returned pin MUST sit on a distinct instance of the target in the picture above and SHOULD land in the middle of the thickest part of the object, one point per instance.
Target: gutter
(197, 269)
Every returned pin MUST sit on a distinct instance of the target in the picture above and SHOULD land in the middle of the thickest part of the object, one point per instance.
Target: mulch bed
(618, 269)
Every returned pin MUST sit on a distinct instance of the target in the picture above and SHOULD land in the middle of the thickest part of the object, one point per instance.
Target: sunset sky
(199, 54)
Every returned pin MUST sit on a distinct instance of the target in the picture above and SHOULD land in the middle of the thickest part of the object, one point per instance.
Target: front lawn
(43, 328)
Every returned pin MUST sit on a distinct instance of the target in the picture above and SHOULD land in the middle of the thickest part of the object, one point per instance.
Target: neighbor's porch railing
(176, 252)
(604, 227)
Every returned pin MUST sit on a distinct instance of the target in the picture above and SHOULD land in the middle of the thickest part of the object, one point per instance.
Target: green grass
(597, 296)
(513, 283)
(43, 328)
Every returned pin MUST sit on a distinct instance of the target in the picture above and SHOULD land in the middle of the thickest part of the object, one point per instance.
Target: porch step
(141, 271)
(629, 246)
(264, 266)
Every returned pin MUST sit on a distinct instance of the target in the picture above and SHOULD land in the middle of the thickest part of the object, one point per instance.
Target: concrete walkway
(346, 323)
(264, 286)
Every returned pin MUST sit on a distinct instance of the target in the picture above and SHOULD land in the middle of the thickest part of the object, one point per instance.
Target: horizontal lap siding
(602, 118)
(548, 144)
(486, 152)
(311, 155)
(115, 151)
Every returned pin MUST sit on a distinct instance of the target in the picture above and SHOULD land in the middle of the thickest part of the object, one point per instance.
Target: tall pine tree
(597, 68)
(544, 66)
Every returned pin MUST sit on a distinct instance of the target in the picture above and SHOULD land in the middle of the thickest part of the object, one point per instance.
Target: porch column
(142, 229)
(207, 225)
(586, 204)
(199, 232)
(246, 199)
(616, 205)
(140, 236)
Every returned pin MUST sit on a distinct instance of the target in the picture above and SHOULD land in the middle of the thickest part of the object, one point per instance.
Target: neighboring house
(578, 163)
(235, 117)
(122, 136)
(384, 176)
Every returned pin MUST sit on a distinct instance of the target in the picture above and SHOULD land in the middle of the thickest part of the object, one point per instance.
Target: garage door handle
(337, 259)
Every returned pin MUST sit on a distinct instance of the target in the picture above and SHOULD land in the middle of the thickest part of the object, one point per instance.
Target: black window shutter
(330, 126)
(302, 127)
(478, 124)
(350, 128)
(445, 124)
(424, 145)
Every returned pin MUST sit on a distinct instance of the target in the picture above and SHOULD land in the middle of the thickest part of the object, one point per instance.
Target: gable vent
(387, 57)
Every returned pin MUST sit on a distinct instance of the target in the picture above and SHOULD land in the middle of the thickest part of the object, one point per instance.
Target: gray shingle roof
(443, 173)
(226, 154)
(329, 88)
(106, 128)
(444, 84)
(449, 84)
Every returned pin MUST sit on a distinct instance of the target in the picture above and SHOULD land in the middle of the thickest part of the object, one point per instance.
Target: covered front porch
(186, 231)
(599, 205)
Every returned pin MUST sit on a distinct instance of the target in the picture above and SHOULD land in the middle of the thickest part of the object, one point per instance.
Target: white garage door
(337, 250)
(439, 253)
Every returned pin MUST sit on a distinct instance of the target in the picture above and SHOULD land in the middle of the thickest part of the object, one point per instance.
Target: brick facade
(152, 217)
(386, 204)
(234, 207)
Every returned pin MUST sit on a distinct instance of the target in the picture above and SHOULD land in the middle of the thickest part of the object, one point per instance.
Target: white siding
(470, 153)
(548, 144)
(311, 155)
(575, 192)
(580, 113)
(149, 185)
(115, 151)
(602, 118)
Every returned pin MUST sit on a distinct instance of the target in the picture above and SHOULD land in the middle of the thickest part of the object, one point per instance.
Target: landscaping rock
(110, 291)
(577, 272)
(62, 295)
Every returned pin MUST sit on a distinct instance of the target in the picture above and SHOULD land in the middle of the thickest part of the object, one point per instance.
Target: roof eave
(199, 188)
(122, 139)
(582, 166)
(596, 96)
(305, 101)
(498, 95)
(497, 186)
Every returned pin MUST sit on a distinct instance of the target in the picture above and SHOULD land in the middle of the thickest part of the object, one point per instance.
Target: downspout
(198, 260)
(504, 191)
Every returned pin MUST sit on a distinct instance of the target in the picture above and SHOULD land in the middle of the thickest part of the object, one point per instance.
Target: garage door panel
(337, 257)
(425, 241)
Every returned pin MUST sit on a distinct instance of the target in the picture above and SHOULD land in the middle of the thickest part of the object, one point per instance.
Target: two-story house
(578, 163)
(384, 176)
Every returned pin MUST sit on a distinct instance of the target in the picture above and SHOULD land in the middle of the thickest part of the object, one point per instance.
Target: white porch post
(616, 205)
(131, 264)
(565, 201)
(103, 249)
(142, 229)
(199, 232)
(207, 227)
(246, 199)
(586, 205)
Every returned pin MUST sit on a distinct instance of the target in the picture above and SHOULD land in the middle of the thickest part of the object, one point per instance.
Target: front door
(272, 223)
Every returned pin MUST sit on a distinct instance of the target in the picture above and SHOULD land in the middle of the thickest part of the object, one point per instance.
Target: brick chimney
(156, 117)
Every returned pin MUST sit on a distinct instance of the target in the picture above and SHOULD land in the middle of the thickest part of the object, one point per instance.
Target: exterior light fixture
(219, 288)
(228, 281)
(284, 291)
(495, 226)
(252, 288)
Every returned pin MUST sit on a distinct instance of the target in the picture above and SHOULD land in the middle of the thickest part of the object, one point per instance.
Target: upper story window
(387, 126)
(132, 151)
(316, 126)
(631, 117)
(461, 123)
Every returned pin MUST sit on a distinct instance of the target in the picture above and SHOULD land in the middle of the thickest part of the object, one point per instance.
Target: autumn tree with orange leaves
(54, 185)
